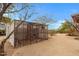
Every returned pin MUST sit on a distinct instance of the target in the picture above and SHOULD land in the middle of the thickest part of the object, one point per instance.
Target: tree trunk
(4, 41)
(4, 8)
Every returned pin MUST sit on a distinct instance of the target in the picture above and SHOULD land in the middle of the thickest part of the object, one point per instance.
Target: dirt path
(60, 44)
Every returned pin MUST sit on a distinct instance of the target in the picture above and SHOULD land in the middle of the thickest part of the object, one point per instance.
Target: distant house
(3, 22)
(76, 20)
(2, 26)
(26, 32)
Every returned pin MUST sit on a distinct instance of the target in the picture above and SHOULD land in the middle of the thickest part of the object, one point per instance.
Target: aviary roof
(30, 22)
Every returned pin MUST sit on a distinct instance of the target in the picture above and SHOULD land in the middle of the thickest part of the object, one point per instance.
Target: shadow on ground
(9, 49)
(77, 38)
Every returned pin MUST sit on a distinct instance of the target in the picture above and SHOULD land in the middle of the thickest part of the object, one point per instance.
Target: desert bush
(2, 32)
(66, 28)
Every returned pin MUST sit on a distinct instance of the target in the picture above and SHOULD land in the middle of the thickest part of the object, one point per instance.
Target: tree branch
(5, 6)
(16, 10)
(73, 25)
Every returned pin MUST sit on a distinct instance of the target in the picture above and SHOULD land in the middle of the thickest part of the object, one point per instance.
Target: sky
(57, 11)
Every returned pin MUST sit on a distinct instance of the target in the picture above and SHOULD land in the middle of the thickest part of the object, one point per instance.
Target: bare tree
(26, 16)
(6, 8)
(44, 20)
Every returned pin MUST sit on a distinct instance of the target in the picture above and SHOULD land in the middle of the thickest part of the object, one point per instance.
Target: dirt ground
(1, 38)
(57, 45)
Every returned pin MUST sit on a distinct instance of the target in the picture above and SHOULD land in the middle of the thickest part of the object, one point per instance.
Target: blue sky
(56, 11)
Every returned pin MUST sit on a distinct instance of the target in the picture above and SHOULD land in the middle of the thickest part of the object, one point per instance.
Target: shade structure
(26, 33)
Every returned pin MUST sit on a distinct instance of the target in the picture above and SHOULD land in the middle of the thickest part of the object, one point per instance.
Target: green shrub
(2, 32)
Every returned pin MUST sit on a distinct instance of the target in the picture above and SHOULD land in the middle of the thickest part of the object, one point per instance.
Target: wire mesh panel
(29, 33)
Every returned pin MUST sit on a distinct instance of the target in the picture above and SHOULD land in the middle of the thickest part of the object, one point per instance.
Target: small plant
(2, 32)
